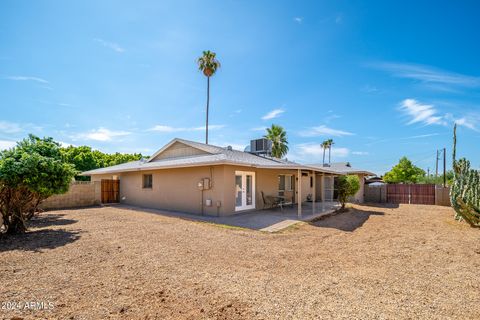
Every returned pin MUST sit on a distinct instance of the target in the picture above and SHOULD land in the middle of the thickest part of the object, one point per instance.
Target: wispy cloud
(298, 20)
(100, 134)
(360, 153)
(429, 75)
(423, 113)
(163, 128)
(10, 127)
(273, 114)
(314, 151)
(7, 144)
(111, 45)
(324, 131)
(26, 78)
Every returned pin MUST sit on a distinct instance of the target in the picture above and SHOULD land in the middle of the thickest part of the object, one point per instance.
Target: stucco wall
(175, 189)
(80, 194)
(266, 180)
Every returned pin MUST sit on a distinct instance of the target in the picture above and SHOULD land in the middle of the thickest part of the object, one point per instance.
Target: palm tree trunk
(323, 156)
(329, 153)
(208, 102)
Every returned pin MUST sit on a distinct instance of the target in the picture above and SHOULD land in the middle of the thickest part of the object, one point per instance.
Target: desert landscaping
(376, 262)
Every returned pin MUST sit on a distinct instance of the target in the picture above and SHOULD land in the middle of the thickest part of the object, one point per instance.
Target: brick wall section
(80, 194)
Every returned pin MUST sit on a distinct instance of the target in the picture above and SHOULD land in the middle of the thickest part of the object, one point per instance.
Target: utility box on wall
(204, 184)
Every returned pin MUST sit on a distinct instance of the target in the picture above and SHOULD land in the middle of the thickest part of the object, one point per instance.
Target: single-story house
(198, 178)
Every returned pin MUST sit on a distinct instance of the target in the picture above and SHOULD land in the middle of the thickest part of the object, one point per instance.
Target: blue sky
(382, 79)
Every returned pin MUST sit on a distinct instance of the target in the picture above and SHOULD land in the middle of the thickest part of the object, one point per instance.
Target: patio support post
(314, 191)
(299, 196)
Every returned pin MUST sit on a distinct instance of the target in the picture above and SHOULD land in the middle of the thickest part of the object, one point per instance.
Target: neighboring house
(346, 168)
(197, 178)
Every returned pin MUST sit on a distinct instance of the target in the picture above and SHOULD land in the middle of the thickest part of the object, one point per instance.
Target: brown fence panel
(110, 191)
(397, 193)
(422, 194)
(411, 193)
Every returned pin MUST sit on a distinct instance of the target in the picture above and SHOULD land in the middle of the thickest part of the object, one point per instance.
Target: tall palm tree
(278, 136)
(324, 146)
(330, 144)
(208, 64)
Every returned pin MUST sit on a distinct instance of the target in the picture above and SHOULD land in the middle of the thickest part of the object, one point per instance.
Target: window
(147, 181)
(286, 182)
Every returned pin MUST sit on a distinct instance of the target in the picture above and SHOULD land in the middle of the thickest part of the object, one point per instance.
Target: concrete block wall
(80, 194)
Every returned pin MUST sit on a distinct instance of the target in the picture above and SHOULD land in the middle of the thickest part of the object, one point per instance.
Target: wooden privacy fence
(408, 193)
(110, 191)
(411, 193)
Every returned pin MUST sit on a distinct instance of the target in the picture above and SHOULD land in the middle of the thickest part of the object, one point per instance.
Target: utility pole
(444, 169)
(436, 165)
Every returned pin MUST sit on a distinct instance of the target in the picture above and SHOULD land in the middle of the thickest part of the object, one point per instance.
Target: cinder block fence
(80, 194)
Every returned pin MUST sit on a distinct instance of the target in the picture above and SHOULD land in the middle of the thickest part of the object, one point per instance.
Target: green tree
(84, 159)
(347, 186)
(208, 64)
(404, 172)
(278, 136)
(438, 180)
(30, 172)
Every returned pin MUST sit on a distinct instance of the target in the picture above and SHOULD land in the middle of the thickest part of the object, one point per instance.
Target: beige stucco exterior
(176, 189)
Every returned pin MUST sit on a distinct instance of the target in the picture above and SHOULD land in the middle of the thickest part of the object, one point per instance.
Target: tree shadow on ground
(38, 239)
(47, 220)
(348, 220)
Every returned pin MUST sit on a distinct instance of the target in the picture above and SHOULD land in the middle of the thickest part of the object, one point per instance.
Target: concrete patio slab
(270, 220)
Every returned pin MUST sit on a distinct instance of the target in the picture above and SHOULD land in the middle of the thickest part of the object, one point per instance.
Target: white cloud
(298, 20)
(100, 134)
(324, 131)
(7, 144)
(111, 45)
(313, 151)
(26, 78)
(9, 127)
(360, 153)
(469, 123)
(163, 128)
(273, 114)
(423, 113)
(428, 74)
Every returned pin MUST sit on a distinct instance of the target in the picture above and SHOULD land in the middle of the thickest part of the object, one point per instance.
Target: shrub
(30, 172)
(347, 186)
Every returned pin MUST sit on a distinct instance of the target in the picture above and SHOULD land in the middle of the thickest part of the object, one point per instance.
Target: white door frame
(244, 205)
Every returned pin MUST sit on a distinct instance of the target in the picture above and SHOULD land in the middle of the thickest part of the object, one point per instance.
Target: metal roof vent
(229, 148)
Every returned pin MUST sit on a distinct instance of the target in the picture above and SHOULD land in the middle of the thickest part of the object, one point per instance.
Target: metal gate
(110, 191)
(411, 193)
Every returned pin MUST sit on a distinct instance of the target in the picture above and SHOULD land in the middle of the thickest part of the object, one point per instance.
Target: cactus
(465, 189)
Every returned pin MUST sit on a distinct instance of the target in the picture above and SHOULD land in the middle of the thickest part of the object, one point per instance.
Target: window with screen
(286, 182)
(147, 181)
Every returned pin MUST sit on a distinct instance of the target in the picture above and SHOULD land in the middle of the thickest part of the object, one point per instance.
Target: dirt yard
(411, 262)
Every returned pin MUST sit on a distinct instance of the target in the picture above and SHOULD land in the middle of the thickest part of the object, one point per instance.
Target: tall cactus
(465, 190)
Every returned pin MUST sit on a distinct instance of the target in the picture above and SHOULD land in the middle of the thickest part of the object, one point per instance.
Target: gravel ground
(372, 262)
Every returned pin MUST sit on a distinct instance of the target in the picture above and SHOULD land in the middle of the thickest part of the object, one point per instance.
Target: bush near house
(347, 186)
(30, 172)
(404, 172)
(84, 159)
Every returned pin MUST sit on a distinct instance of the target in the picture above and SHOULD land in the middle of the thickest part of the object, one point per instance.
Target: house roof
(213, 155)
(341, 168)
